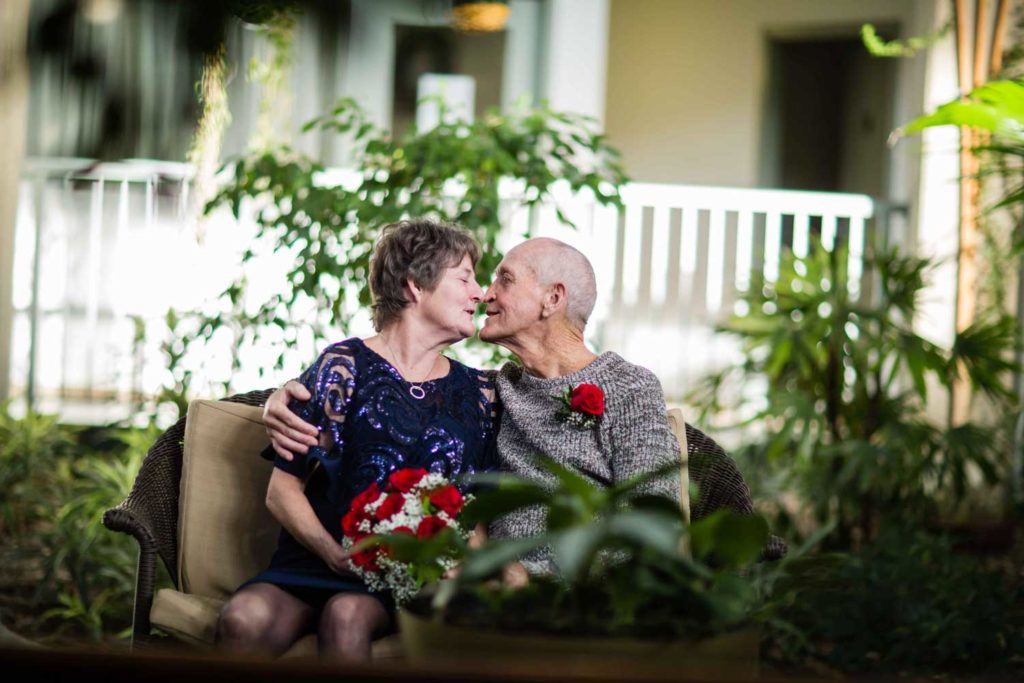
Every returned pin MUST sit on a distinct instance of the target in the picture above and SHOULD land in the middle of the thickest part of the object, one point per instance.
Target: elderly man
(537, 307)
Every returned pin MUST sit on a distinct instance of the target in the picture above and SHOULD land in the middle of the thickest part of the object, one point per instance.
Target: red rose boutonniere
(582, 405)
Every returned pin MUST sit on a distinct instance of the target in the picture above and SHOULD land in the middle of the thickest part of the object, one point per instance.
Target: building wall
(686, 94)
(686, 79)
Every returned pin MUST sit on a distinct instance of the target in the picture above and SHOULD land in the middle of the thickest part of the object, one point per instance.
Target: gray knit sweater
(632, 437)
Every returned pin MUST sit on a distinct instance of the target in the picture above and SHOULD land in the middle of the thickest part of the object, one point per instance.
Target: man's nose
(489, 295)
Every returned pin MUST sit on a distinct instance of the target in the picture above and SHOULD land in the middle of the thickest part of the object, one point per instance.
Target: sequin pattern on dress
(375, 426)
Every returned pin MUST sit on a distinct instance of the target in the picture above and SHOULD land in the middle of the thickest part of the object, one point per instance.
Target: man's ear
(555, 298)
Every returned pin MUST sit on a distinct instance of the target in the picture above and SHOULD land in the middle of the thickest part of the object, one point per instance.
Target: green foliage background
(66, 578)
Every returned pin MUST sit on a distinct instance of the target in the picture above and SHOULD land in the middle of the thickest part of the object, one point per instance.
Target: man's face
(514, 300)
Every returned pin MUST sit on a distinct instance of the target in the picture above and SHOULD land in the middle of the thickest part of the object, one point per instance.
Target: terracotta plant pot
(733, 656)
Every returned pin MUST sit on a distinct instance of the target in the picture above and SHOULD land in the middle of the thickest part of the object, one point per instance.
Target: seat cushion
(192, 618)
(226, 535)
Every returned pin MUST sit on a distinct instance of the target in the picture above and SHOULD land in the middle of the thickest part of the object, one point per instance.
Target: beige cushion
(192, 618)
(226, 535)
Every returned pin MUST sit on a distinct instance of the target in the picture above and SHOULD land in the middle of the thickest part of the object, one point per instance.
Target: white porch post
(13, 107)
(575, 62)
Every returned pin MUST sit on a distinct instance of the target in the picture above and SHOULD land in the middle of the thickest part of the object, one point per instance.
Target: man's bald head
(555, 261)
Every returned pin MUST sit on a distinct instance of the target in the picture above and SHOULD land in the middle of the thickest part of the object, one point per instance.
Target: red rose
(448, 499)
(367, 559)
(403, 480)
(588, 399)
(350, 523)
(392, 504)
(369, 495)
(429, 526)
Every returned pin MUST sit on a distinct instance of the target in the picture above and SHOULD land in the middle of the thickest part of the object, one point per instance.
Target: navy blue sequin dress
(375, 427)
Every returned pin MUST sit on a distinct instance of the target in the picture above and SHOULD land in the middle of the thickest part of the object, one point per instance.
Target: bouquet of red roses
(421, 505)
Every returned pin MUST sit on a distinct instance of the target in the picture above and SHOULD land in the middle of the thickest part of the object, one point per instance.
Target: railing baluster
(772, 245)
(631, 255)
(715, 259)
(659, 259)
(673, 276)
(688, 231)
(728, 275)
(855, 264)
(618, 295)
(744, 248)
(801, 234)
(699, 298)
(828, 231)
(644, 286)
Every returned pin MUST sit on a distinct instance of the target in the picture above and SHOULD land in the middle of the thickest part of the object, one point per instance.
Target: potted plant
(631, 584)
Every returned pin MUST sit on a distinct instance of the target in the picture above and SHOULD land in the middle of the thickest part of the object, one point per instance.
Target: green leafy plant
(66, 577)
(998, 109)
(28, 448)
(880, 47)
(844, 419)
(471, 173)
(619, 566)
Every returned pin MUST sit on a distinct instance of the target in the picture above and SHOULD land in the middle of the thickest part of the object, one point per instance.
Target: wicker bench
(152, 514)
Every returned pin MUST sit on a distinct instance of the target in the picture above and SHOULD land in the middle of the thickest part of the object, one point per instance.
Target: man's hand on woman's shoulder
(289, 434)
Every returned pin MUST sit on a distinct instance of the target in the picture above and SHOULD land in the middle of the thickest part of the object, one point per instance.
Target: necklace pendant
(417, 392)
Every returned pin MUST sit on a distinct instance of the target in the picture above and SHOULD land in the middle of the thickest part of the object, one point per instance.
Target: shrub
(905, 603)
(65, 575)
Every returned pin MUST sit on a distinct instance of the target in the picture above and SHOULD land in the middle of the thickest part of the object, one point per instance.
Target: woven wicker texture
(720, 485)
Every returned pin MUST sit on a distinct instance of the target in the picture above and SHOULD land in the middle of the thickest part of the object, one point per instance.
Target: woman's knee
(353, 613)
(245, 618)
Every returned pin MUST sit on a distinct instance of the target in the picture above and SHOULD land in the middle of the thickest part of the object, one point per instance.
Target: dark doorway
(828, 116)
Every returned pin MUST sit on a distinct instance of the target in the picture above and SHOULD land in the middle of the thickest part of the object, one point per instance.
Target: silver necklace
(415, 388)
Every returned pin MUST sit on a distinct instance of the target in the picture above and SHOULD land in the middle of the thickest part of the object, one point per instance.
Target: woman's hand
(289, 434)
(336, 558)
(287, 502)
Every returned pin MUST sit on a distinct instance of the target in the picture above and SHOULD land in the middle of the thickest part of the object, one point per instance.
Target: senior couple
(367, 407)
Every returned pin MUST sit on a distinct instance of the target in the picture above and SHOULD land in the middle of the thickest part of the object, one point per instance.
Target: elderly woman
(387, 402)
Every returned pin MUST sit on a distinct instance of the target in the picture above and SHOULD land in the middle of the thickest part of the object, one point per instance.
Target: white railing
(102, 250)
(674, 263)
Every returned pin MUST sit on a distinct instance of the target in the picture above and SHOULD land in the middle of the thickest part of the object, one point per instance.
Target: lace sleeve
(330, 382)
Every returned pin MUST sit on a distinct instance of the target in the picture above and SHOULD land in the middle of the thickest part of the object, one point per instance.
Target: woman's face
(453, 303)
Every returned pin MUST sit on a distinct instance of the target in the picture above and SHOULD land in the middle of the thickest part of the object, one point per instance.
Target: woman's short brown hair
(420, 249)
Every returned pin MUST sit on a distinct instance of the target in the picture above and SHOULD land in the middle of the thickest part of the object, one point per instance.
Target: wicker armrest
(721, 485)
(123, 519)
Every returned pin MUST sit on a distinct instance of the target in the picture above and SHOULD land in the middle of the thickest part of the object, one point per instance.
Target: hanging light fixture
(479, 16)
